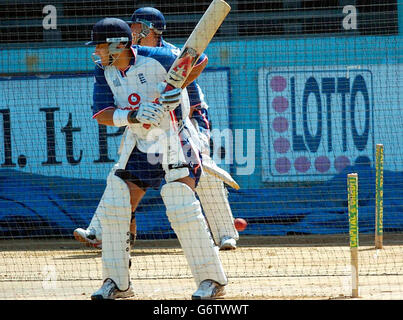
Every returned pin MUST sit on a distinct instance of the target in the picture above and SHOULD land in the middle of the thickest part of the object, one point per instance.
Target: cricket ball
(240, 224)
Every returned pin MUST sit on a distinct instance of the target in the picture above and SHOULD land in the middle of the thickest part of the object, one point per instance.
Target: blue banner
(35, 205)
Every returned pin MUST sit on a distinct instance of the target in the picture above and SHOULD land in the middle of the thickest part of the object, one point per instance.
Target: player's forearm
(116, 117)
(106, 117)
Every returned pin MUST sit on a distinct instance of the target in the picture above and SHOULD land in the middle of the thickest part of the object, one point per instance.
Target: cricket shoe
(227, 243)
(110, 291)
(88, 237)
(208, 289)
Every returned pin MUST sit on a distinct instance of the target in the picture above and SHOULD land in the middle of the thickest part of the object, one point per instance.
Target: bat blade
(210, 167)
(197, 42)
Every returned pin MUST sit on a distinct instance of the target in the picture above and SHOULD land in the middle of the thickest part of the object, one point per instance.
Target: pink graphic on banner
(322, 164)
(302, 164)
(280, 104)
(341, 162)
(281, 145)
(278, 83)
(283, 165)
(280, 124)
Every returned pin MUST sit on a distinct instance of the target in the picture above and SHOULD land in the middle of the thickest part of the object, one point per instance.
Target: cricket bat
(187, 58)
(197, 42)
(211, 167)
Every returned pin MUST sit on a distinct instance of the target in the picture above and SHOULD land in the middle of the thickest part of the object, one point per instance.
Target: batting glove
(169, 99)
(150, 113)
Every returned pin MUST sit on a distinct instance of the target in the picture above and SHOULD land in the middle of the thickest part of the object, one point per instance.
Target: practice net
(300, 94)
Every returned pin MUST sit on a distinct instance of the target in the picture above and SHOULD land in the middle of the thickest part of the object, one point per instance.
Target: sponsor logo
(134, 99)
(320, 121)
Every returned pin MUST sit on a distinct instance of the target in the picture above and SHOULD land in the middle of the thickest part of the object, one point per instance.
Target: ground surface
(295, 267)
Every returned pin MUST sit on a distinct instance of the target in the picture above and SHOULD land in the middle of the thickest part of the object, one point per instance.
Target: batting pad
(95, 223)
(114, 213)
(186, 218)
(214, 200)
(127, 144)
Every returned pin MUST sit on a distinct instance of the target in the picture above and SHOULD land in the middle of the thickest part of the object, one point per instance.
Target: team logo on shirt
(142, 78)
(134, 99)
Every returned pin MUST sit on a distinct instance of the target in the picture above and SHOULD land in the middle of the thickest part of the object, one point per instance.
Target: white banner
(315, 122)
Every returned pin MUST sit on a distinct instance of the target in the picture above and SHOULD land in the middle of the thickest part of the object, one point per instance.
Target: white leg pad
(214, 200)
(127, 145)
(114, 213)
(95, 223)
(187, 220)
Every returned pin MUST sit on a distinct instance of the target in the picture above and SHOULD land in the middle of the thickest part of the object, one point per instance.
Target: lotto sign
(314, 123)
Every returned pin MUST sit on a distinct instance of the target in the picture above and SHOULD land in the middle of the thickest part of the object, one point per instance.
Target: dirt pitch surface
(286, 268)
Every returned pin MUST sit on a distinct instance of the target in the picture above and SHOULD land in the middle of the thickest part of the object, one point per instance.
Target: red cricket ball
(240, 224)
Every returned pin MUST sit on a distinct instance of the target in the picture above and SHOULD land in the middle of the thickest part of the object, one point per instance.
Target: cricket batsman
(129, 91)
(147, 25)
